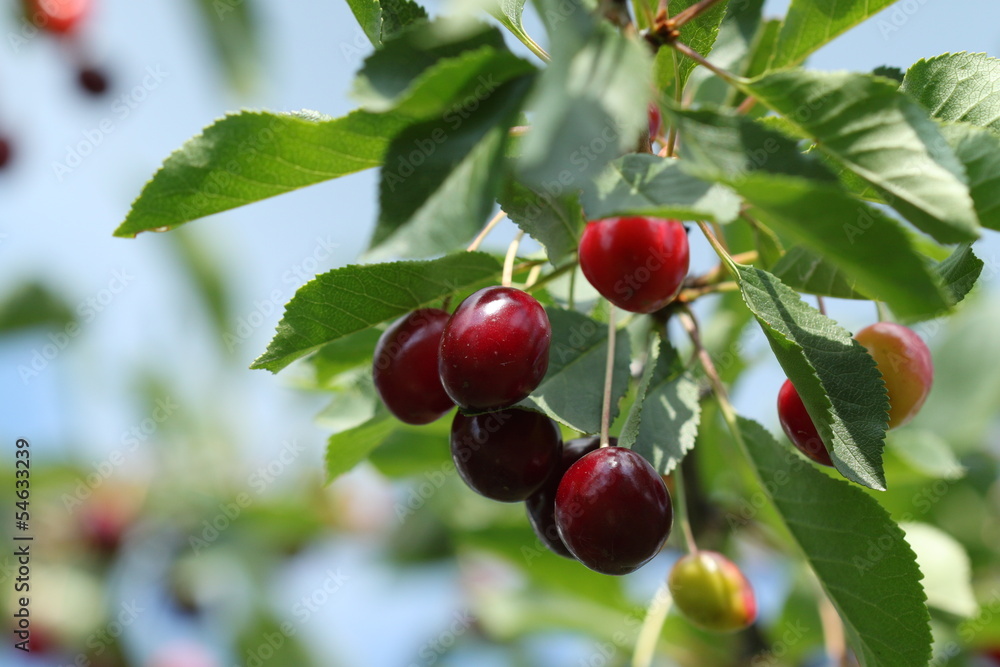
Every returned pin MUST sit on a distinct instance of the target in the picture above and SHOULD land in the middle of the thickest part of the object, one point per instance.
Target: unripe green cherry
(712, 593)
(905, 364)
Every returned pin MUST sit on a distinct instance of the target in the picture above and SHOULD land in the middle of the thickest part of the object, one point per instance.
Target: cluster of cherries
(905, 363)
(62, 19)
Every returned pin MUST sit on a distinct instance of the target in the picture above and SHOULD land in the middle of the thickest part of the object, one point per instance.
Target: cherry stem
(726, 76)
(571, 301)
(478, 241)
(883, 314)
(680, 502)
(718, 274)
(720, 249)
(692, 12)
(746, 105)
(508, 262)
(689, 294)
(552, 275)
(652, 626)
(609, 370)
(533, 275)
(821, 305)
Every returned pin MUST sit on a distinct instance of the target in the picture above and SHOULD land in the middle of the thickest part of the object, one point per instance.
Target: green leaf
(588, 108)
(946, 568)
(347, 449)
(858, 553)
(353, 298)
(555, 222)
(888, 72)
(979, 152)
(416, 450)
(958, 87)
(810, 24)
(642, 184)
(572, 390)
(663, 422)
(700, 34)
(441, 177)
(834, 375)
(797, 196)
(807, 271)
(436, 71)
(881, 135)
(960, 271)
(344, 354)
(383, 19)
(253, 155)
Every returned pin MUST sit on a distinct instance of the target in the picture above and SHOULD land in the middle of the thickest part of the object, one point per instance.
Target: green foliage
(812, 23)
(663, 422)
(834, 375)
(568, 392)
(957, 87)
(555, 222)
(252, 155)
(836, 526)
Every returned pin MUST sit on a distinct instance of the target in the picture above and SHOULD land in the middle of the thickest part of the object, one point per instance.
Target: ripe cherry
(799, 426)
(655, 121)
(905, 364)
(405, 367)
(541, 505)
(93, 80)
(495, 349)
(613, 510)
(636, 263)
(505, 455)
(712, 593)
(57, 16)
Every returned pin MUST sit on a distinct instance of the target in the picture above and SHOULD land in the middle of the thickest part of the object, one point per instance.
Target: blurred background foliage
(189, 523)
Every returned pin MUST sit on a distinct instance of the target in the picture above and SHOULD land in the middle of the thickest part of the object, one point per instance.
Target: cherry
(799, 426)
(636, 263)
(405, 367)
(93, 80)
(712, 593)
(5, 152)
(655, 121)
(541, 505)
(495, 349)
(613, 510)
(905, 364)
(58, 16)
(505, 455)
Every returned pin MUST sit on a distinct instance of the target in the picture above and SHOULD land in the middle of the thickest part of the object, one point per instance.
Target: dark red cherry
(613, 510)
(5, 152)
(495, 349)
(799, 426)
(655, 121)
(636, 263)
(405, 367)
(57, 16)
(541, 505)
(93, 80)
(505, 455)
